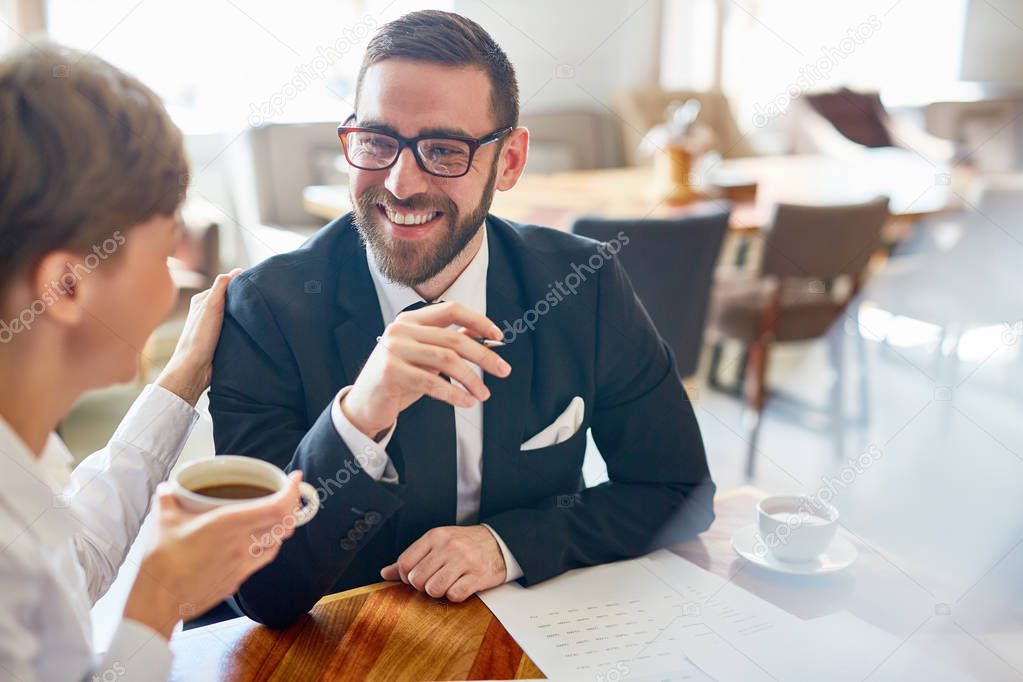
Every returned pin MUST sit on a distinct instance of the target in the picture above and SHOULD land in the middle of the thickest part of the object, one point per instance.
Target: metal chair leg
(835, 350)
(756, 395)
(716, 351)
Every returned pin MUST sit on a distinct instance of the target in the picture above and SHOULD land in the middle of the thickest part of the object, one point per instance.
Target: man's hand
(451, 561)
(413, 352)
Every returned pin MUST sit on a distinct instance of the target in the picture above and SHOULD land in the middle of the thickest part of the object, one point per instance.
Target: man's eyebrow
(457, 132)
(376, 125)
(390, 130)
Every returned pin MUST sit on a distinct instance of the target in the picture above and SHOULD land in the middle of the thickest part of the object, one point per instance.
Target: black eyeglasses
(446, 156)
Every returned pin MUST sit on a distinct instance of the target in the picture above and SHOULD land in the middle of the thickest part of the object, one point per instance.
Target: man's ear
(60, 281)
(513, 158)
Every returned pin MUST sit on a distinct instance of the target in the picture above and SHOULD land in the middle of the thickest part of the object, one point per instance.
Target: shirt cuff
(137, 652)
(512, 570)
(158, 424)
(370, 454)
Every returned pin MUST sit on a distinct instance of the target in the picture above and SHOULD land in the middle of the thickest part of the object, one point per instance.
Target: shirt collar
(31, 486)
(469, 288)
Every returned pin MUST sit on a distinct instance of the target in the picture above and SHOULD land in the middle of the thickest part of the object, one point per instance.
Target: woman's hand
(188, 373)
(201, 559)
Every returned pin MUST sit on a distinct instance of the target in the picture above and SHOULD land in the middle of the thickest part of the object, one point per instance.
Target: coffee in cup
(229, 479)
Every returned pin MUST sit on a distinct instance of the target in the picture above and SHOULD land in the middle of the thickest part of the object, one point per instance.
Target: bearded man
(367, 359)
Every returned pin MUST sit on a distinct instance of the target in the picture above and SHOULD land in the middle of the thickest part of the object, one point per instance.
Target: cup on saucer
(795, 527)
(795, 534)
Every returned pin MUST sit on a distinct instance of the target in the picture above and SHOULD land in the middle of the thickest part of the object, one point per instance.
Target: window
(775, 49)
(221, 64)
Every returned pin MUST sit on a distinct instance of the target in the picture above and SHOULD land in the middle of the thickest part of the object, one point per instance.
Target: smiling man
(447, 463)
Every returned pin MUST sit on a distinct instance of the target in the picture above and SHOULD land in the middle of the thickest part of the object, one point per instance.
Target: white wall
(687, 44)
(993, 43)
(570, 53)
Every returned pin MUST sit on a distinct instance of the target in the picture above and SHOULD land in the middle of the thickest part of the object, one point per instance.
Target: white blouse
(64, 535)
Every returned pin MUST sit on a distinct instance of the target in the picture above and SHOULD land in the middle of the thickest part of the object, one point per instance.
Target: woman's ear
(60, 284)
(513, 158)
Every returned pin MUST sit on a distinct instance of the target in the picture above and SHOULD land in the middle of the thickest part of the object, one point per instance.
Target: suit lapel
(504, 412)
(361, 321)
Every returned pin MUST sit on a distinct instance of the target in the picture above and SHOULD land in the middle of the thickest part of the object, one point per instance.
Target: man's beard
(410, 262)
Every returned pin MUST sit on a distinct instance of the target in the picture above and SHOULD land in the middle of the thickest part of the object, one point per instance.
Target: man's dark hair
(447, 38)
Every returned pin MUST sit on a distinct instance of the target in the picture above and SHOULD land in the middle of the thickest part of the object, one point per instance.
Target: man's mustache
(417, 202)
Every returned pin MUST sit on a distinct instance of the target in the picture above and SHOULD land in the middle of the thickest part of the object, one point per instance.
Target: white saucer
(840, 554)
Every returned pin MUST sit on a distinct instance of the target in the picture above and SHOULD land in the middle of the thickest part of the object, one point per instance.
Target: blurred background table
(557, 199)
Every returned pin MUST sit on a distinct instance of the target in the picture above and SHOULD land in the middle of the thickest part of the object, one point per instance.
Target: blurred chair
(974, 121)
(939, 284)
(268, 169)
(840, 122)
(671, 264)
(814, 260)
(571, 139)
(286, 158)
(641, 109)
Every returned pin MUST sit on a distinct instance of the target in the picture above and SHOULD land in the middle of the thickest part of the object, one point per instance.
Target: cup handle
(311, 500)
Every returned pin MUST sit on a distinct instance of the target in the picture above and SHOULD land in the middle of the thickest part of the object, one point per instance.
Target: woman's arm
(110, 491)
(34, 644)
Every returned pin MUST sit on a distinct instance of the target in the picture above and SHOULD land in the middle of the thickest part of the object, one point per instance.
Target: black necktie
(426, 437)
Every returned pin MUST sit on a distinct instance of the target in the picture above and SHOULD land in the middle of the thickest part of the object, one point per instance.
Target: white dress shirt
(469, 289)
(64, 535)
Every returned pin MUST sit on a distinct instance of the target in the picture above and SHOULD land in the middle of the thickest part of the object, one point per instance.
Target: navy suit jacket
(300, 326)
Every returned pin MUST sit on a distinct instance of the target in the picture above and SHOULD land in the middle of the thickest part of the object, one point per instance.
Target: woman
(92, 173)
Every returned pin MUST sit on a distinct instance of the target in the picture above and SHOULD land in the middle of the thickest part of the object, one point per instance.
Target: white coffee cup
(227, 474)
(795, 527)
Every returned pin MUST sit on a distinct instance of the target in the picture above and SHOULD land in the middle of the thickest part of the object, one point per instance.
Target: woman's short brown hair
(85, 150)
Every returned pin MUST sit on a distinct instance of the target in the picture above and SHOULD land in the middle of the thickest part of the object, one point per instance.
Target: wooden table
(388, 631)
(916, 187)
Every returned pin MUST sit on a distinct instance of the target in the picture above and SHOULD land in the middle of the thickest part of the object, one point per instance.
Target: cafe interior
(824, 205)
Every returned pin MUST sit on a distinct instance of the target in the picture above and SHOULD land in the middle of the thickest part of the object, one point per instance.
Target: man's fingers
(390, 572)
(445, 361)
(415, 552)
(463, 588)
(434, 386)
(447, 314)
(419, 575)
(462, 343)
(439, 583)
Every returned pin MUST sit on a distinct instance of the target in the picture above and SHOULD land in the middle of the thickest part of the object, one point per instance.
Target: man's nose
(405, 178)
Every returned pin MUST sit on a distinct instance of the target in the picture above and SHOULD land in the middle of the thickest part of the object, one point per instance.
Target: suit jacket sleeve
(659, 490)
(258, 409)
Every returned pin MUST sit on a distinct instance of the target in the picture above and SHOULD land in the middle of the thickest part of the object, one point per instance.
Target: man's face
(414, 98)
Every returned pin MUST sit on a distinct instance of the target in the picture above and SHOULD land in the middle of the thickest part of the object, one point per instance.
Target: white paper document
(661, 617)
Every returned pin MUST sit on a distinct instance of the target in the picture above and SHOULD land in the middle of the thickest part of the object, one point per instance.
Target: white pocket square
(563, 428)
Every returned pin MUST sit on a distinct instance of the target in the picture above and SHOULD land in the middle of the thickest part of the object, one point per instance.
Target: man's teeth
(410, 218)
